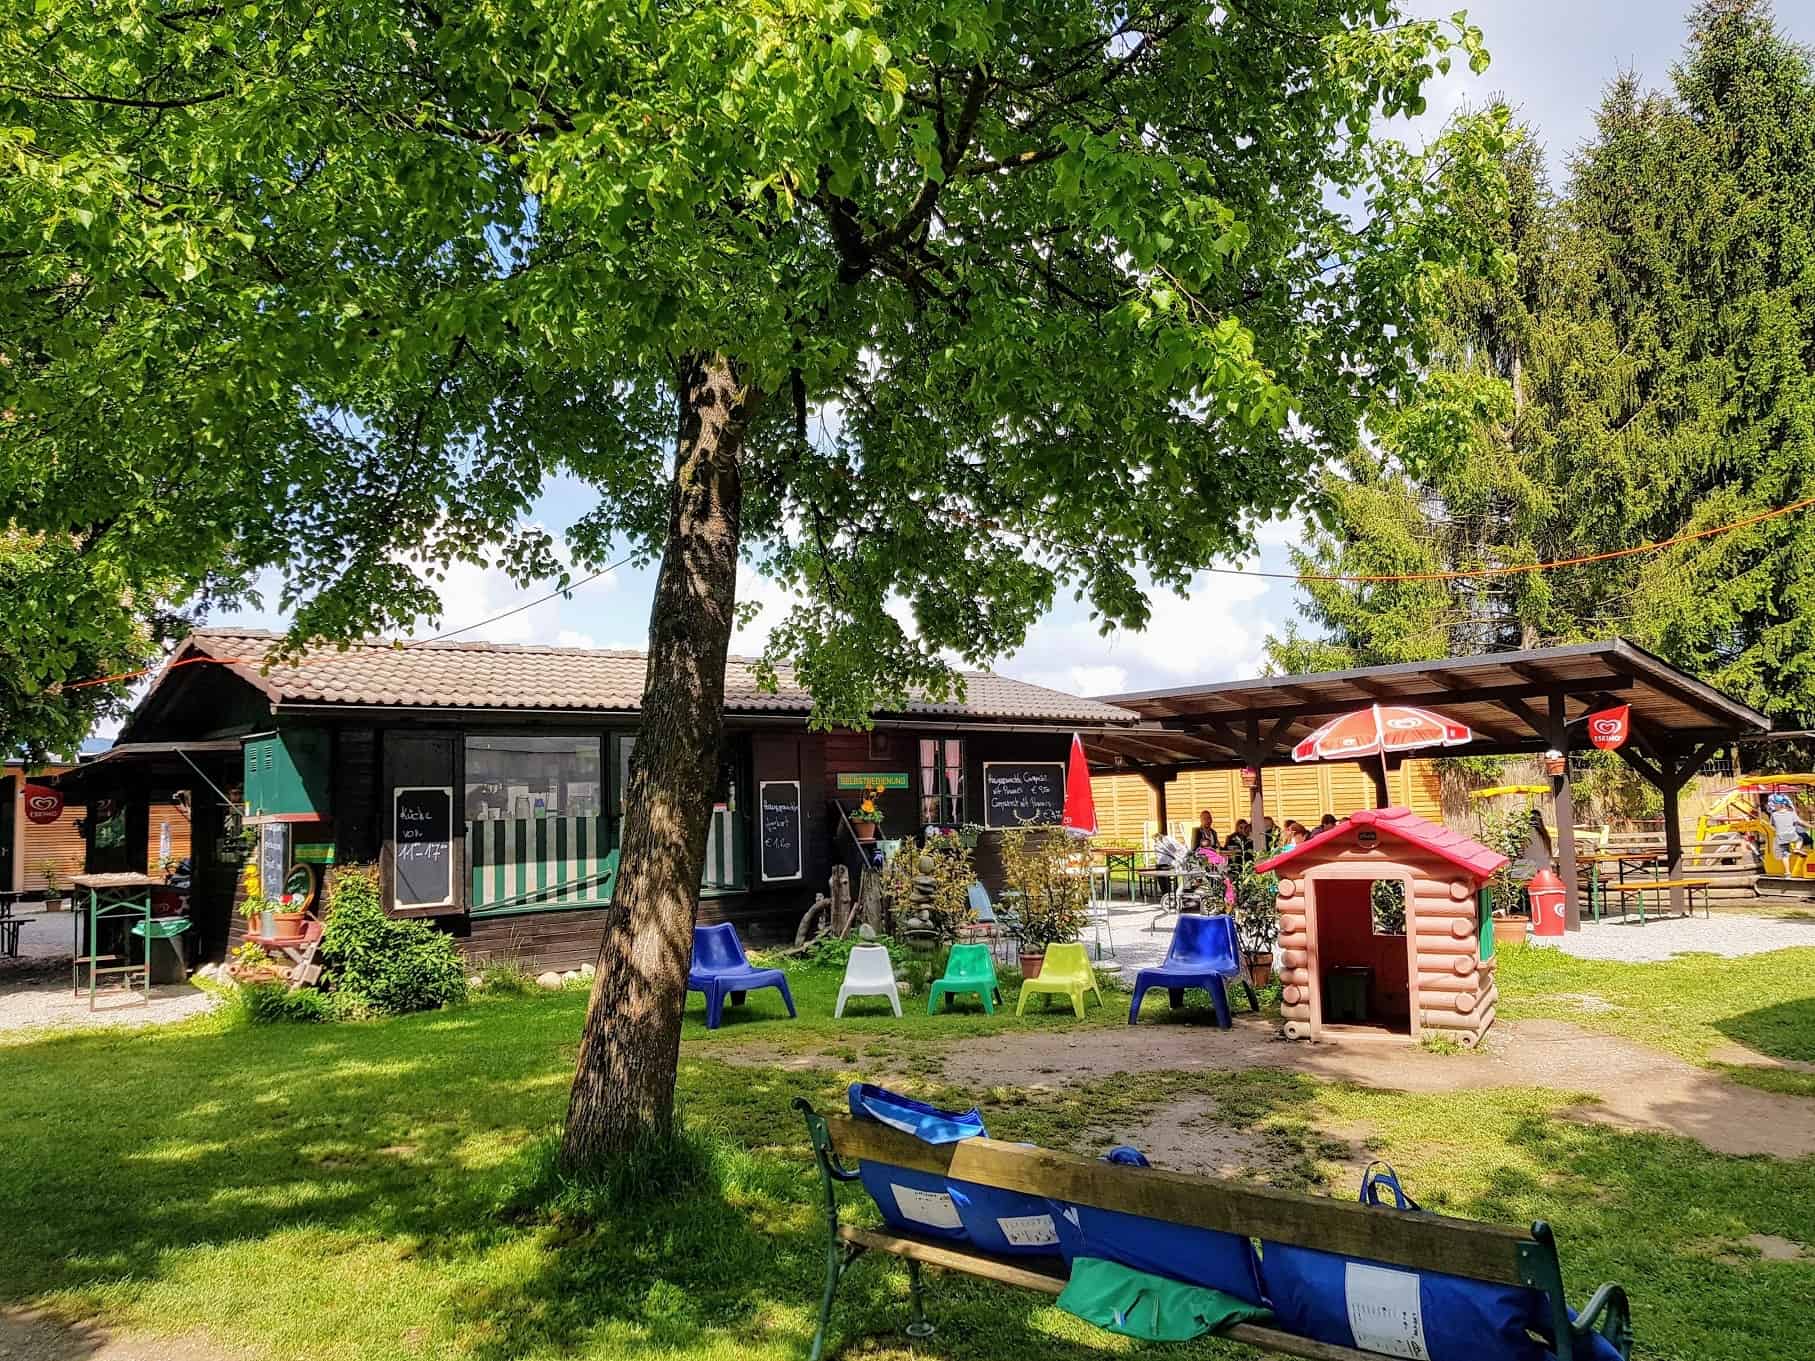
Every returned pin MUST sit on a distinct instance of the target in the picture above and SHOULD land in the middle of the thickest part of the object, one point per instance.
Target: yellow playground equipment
(1739, 814)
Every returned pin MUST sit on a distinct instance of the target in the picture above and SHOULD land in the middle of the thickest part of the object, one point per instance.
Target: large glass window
(537, 834)
(941, 781)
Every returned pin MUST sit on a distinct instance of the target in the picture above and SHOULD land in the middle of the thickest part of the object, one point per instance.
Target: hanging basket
(1556, 765)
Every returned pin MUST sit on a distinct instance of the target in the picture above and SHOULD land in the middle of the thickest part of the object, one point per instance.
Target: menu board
(273, 858)
(1017, 793)
(778, 815)
(422, 847)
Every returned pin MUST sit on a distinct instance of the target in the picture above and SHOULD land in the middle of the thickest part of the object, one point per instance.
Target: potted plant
(1051, 901)
(868, 814)
(1257, 922)
(258, 910)
(287, 921)
(52, 871)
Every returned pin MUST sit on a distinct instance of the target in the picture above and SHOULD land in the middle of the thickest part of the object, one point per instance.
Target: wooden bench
(1419, 1242)
(1643, 886)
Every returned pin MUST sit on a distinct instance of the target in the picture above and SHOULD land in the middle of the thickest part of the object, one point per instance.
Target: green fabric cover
(1152, 1308)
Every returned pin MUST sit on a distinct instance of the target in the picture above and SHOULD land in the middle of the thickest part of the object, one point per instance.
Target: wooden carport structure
(1517, 703)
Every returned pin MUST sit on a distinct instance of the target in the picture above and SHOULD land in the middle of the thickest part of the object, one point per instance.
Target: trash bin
(1545, 891)
(1346, 988)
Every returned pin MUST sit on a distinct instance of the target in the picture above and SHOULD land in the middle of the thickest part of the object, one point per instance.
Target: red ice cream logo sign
(1608, 728)
(42, 805)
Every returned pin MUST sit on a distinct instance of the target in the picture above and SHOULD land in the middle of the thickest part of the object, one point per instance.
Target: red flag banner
(1609, 728)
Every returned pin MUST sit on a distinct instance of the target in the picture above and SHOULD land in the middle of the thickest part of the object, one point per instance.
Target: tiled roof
(1465, 853)
(506, 676)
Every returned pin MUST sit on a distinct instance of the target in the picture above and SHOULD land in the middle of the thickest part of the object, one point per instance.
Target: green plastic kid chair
(1065, 972)
(968, 969)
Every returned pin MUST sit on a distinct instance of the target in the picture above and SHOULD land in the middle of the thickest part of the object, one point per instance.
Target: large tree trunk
(624, 1086)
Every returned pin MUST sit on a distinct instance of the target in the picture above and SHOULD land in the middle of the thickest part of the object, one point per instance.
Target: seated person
(1329, 821)
(1239, 845)
(1203, 836)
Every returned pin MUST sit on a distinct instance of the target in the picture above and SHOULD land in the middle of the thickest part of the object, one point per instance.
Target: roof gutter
(733, 717)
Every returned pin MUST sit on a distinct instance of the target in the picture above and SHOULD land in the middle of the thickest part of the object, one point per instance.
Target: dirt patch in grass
(27, 1335)
(1627, 1085)
(1766, 1247)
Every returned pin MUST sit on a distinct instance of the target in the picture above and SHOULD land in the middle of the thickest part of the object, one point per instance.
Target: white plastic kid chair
(869, 974)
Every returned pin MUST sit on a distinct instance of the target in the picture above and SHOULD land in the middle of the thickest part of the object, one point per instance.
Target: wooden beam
(1482, 1252)
(1490, 695)
(1652, 775)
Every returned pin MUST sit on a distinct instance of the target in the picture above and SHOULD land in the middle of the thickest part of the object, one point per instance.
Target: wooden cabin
(488, 781)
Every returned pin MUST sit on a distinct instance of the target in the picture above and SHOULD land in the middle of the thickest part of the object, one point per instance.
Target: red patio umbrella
(1080, 813)
(1381, 730)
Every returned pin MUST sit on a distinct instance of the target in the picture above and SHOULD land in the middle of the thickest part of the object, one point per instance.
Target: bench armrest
(1610, 1314)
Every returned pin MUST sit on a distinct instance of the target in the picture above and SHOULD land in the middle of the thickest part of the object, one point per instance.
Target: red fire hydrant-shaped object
(1546, 893)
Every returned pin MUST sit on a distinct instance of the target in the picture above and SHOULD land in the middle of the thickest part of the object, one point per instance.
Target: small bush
(507, 978)
(269, 1003)
(381, 966)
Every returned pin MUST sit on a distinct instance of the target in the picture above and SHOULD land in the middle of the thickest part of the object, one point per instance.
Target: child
(1786, 827)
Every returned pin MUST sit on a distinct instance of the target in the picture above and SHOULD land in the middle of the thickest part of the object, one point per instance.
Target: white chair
(869, 974)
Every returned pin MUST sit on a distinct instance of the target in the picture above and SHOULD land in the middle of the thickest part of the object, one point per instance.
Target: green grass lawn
(379, 1191)
(1692, 1005)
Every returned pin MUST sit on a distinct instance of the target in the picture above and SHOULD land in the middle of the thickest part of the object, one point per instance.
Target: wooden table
(124, 898)
(1128, 858)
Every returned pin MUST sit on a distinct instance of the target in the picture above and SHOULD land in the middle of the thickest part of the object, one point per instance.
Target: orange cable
(1464, 574)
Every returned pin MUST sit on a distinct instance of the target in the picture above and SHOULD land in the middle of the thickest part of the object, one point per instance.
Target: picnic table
(1126, 858)
(11, 923)
(1642, 859)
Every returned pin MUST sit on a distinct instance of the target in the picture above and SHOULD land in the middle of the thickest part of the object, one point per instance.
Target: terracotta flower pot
(1509, 930)
(288, 925)
(1260, 968)
(1030, 965)
(1555, 765)
(865, 830)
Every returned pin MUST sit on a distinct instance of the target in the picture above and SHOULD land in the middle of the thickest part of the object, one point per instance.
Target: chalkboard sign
(422, 849)
(273, 858)
(1016, 793)
(778, 812)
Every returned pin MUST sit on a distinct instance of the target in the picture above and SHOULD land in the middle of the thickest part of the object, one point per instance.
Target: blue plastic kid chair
(720, 968)
(1203, 954)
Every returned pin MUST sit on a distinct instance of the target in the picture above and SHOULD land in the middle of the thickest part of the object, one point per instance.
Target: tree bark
(623, 1087)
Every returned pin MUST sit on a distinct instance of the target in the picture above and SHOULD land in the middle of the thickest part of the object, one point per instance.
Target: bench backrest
(1457, 1247)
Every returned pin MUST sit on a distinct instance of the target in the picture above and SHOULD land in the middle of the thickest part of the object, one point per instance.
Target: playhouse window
(1388, 901)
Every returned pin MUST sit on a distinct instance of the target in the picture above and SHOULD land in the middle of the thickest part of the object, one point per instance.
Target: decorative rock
(588, 970)
(571, 976)
(864, 932)
(475, 981)
(550, 980)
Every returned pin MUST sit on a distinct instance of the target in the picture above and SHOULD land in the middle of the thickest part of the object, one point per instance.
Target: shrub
(266, 1003)
(380, 965)
(1256, 910)
(1052, 900)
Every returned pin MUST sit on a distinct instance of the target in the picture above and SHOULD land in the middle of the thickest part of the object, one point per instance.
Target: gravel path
(1725, 933)
(44, 1000)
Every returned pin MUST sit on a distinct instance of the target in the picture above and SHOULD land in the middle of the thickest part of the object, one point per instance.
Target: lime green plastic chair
(1065, 972)
(968, 969)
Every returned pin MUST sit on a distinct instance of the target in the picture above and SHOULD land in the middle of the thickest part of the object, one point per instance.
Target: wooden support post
(1377, 773)
(1257, 799)
(1673, 832)
(1566, 816)
(1156, 781)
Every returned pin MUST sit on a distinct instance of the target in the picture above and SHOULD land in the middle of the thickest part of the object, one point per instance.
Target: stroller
(1187, 883)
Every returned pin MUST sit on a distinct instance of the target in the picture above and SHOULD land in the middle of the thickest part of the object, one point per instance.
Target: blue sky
(1551, 60)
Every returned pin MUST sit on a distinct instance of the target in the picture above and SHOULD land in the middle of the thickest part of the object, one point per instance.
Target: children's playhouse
(1340, 967)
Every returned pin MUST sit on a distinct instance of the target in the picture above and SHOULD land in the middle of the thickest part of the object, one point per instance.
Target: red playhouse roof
(1465, 853)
